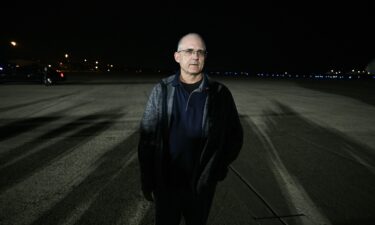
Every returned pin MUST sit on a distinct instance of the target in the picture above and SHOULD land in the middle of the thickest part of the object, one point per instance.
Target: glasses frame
(189, 52)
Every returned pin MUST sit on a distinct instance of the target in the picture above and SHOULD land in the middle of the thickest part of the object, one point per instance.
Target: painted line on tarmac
(85, 206)
(140, 211)
(293, 190)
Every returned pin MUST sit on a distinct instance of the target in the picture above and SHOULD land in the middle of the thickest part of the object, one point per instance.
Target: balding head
(191, 55)
(188, 38)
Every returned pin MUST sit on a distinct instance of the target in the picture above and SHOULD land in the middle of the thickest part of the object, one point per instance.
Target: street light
(13, 43)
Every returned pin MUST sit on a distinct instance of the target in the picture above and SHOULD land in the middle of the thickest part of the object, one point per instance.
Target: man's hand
(149, 196)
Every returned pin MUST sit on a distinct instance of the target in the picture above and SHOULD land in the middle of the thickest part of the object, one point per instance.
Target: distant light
(49, 65)
(96, 67)
(96, 62)
(85, 60)
(13, 43)
(66, 56)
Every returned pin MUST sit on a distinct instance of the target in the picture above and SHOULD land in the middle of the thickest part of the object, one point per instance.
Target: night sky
(253, 37)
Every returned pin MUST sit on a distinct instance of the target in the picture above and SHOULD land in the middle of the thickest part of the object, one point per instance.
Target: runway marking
(76, 215)
(140, 211)
(275, 216)
(349, 149)
(293, 191)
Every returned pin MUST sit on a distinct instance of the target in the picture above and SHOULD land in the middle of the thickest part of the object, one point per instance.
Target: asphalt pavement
(68, 152)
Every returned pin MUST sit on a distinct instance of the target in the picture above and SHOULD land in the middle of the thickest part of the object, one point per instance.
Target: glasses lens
(201, 52)
(189, 52)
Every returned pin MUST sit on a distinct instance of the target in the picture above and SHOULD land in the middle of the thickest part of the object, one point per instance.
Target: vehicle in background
(30, 71)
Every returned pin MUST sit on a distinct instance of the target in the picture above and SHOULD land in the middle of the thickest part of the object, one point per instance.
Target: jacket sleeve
(148, 141)
(233, 134)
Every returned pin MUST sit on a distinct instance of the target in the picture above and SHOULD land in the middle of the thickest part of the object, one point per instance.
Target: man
(190, 133)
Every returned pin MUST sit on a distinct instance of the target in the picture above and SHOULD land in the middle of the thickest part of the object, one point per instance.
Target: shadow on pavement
(363, 90)
(298, 168)
(235, 202)
(24, 125)
(335, 171)
(32, 103)
(108, 193)
(20, 126)
(24, 167)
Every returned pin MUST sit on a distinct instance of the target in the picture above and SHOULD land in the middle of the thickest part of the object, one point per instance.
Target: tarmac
(68, 152)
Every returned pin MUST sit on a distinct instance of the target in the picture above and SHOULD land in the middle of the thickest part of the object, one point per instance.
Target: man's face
(191, 55)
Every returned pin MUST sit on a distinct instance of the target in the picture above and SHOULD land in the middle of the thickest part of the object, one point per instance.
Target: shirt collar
(203, 86)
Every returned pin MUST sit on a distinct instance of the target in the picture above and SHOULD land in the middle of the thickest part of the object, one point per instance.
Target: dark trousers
(173, 203)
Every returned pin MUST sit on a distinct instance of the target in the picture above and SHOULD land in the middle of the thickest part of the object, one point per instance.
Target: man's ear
(177, 57)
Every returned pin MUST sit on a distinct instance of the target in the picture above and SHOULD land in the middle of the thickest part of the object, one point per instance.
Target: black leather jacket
(221, 126)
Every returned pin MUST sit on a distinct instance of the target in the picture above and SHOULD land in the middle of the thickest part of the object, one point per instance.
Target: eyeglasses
(190, 52)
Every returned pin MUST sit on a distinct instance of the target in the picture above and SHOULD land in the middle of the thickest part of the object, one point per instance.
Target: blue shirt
(186, 131)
